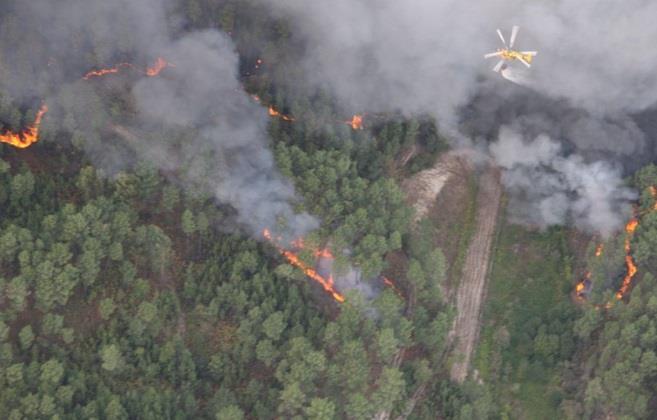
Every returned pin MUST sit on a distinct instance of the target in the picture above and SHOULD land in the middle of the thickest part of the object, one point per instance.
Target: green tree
(114, 410)
(26, 337)
(231, 412)
(292, 399)
(106, 308)
(112, 360)
(387, 344)
(389, 387)
(320, 409)
(52, 372)
(188, 223)
(170, 197)
(273, 326)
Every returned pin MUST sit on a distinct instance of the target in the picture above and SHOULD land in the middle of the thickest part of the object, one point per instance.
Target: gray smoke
(350, 279)
(194, 121)
(595, 67)
(419, 55)
(556, 188)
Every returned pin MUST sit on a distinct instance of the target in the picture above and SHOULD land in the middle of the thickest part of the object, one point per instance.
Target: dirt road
(472, 287)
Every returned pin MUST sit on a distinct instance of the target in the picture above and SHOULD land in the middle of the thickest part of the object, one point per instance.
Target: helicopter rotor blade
(493, 54)
(532, 53)
(501, 37)
(498, 66)
(514, 34)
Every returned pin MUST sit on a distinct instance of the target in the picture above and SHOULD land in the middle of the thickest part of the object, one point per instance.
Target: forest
(129, 292)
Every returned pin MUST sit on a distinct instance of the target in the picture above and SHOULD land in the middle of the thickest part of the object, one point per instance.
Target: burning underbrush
(28, 135)
(325, 273)
(585, 284)
(356, 122)
(151, 71)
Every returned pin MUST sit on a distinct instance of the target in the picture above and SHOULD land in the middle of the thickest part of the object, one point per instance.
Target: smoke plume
(194, 121)
(594, 71)
(555, 188)
(228, 154)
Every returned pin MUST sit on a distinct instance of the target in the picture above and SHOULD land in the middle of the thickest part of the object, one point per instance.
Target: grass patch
(457, 233)
(529, 284)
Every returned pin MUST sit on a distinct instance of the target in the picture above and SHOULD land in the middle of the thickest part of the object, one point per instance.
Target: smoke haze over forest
(217, 135)
(416, 57)
(426, 57)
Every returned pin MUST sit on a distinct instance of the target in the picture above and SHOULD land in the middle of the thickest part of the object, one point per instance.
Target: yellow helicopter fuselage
(515, 55)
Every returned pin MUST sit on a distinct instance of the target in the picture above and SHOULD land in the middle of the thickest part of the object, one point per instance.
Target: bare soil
(471, 290)
(423, 188)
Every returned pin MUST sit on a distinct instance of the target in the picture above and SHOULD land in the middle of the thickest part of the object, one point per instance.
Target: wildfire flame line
(274, 113)
(630, 227)
(159, 65)
(292, 258)
(29, 135)
(106, 71)
(151, 71)
(356, 122)
(630, 265)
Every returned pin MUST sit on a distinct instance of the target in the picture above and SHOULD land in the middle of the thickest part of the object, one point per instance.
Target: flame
(627, 281)
(274, 113)
(356, 122)
(392, 285)
(580, 289)
(293, 259)
(630, 227)
(327, 284)
(155, 69)
(324, 253)
(106, 71)
(298, 243)
(159, 65)
(29, 135)
(598, 250)
(631, 268)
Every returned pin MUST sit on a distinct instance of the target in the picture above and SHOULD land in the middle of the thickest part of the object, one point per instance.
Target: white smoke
(560, 188)
(419, 55)
(194, 121)
(350, 279)
(228, 153)
(595, 67)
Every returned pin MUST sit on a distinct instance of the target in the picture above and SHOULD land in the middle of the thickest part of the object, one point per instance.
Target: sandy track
(423, 188)
(470, 294)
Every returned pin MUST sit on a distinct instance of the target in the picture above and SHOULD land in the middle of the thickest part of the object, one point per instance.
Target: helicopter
(508, 54)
